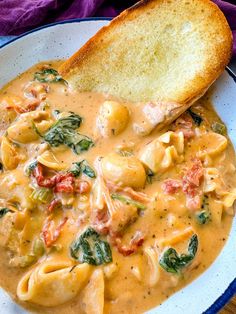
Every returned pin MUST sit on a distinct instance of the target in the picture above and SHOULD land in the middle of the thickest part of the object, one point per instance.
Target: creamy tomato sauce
(158, 204)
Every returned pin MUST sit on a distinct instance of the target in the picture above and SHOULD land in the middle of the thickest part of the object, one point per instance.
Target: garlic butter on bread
(157, 50)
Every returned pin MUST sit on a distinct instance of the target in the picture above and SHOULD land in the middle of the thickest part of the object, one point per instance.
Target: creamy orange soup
(99, 212)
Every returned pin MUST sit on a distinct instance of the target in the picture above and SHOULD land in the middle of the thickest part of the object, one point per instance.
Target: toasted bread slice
(157, 50)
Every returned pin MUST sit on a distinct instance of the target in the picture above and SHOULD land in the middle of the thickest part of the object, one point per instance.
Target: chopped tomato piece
(64, 183)
(193, 202)
(184, 124)
(100, 221)
(36, 91)
(30, 105)
(128, 191)
(20, 109)
(50, 236)
(53, 205)
(135, 243)
(193, 177)
(191, 182)
(41, 180)
(171, 186)
(82, 186)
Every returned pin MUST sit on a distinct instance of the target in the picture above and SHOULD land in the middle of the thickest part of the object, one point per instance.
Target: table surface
(230, 308)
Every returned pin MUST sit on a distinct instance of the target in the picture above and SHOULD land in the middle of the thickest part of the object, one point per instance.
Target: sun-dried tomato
(53, 205)
(50, 236)
(171, 186)
(135, 243)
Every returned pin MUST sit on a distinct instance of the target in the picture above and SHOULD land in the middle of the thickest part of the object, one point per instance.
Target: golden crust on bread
(168, 50)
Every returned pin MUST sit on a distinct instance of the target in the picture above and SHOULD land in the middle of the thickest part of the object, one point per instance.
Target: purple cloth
(18, 16)
(229, 11)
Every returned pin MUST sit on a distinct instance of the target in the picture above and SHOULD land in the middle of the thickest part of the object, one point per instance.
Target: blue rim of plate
(231, 290)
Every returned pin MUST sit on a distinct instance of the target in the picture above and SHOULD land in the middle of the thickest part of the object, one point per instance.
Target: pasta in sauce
(99, 213)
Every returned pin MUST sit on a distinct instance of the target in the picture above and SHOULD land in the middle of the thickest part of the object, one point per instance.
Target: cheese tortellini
(9, 154)
(49, 160)
(229, 198)
(153, 258)
(93, 294)
(7, 229)
(211, 144)
(161, 153)
(123, 170)
(11, 226)
(53, 282)
(212, 180)
(112, 119)
(15, 188)
(23, 130)
(8, 116)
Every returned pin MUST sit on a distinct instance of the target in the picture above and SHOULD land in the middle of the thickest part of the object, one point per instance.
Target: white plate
(60, 40)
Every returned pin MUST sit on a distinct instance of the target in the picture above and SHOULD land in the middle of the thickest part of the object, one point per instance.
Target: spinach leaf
(203, 216)
(196, 117)
(48, 76)
(71, 122)
(78, 142)
(82, 167)
(64, 132)
(150, 176)
(4, 211)
(89, 248)
(219, 128)
(128, 201)
(56, 112)
(193, 245)
(172, 262)
(29, 169)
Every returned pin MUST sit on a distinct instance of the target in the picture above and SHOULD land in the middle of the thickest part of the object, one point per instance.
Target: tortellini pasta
(93, 294)
(216, 211)
(53, 282)
(9, 154)
(136, 271)
(11, 226)
(36, 90)
(153, 262)
(175, 139)
(212, 180)
(112, 119)
(8, 116)
(49, 160)
(161, 153)
(23, 130)
(211, 144)
(110, 270)
(15, 188)
(229, 198)
(6, 227)
(123, 170)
